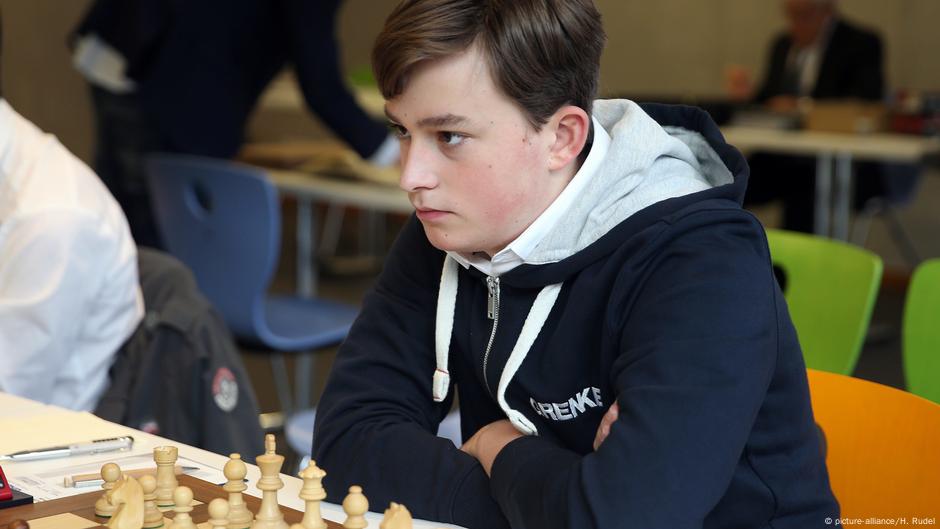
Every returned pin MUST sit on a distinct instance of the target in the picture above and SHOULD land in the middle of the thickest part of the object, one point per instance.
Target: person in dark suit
(820, 56)
(184, 75)
(823, 56)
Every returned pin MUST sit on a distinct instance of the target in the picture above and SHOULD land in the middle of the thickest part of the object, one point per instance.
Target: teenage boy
(584, 276)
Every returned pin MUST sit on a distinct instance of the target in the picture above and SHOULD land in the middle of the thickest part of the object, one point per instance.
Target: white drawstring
(446, 303)
(535, 320)
(539, 312)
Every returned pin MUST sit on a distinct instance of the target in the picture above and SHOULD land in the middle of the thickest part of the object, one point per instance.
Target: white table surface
(885, 147)
(30, 425)
(350, 192)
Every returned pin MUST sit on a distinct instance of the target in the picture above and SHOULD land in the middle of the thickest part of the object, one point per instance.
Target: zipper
(492, 312)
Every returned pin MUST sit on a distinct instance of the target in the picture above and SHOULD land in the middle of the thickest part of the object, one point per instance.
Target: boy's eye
(450, 138)
(398, 130)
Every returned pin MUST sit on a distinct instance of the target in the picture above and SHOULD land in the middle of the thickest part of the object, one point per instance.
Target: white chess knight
(127, 497)
(396, 516)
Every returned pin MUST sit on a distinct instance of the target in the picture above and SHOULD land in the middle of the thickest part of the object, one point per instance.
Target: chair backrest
(830, 288)
(882, 447)
(921, 334)
(222, 219)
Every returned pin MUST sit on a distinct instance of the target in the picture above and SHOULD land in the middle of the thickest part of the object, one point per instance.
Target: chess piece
(239, 517)
(312, 493)
(18, 524)
(355, 505)
(153, 518)
(182, 506)
(396, 516)
(127, 496)
(218, 513)
(269, 514)
(110, 473)
(165, 458)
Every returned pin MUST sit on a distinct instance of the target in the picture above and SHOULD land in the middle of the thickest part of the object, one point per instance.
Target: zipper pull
(492, 296)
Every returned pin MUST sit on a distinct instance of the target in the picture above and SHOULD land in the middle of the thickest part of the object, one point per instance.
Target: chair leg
(302, 376)
(862, 225)
(281, 382)
(901, 238)
(332, 226)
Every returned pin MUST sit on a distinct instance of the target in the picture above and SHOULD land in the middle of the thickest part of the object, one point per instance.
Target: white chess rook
(165, 458)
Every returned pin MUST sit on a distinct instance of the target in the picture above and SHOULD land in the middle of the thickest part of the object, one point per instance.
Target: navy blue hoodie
(654, 289)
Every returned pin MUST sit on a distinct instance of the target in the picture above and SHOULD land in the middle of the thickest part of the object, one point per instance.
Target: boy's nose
(417, 171)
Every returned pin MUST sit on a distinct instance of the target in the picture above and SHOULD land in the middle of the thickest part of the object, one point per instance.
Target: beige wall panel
(38, 79)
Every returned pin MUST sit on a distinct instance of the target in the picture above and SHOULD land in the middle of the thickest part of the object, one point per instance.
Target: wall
(667, 47)
(37, 76)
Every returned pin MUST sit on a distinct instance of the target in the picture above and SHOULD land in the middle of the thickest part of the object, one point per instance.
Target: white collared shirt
(809, 60)
(516, 252)
(69, 292)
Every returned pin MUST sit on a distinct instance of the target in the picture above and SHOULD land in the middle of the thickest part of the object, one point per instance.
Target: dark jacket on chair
(179, 375)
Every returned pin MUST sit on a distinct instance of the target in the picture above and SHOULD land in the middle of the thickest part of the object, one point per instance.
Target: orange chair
(883, 448)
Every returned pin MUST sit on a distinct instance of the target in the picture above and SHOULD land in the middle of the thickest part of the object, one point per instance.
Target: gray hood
(645, 164)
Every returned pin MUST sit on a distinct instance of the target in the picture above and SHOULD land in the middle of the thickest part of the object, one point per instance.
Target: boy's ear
(571, 125)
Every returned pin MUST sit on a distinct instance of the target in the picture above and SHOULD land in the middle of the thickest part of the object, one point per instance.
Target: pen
(110, 444)
(91, 480)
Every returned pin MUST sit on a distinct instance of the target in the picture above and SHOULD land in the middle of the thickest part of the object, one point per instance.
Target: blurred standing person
(184, 76)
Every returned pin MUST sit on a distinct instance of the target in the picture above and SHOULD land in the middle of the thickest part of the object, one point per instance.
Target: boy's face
(474, 168)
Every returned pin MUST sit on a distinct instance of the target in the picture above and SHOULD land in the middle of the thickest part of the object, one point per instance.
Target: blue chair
(223, 220)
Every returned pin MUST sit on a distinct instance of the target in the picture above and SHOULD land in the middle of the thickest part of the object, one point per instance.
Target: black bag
(179, 375)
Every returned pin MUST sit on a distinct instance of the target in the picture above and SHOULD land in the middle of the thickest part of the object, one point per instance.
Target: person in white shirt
(69, 291)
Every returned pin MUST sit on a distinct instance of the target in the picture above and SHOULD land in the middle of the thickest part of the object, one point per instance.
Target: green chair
(921, 332)
(830, 288)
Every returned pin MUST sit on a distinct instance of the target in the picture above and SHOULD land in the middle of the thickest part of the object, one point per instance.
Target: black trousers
(124, 137)
(792, 180)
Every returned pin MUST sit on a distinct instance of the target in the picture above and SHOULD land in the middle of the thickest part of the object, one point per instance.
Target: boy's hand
(607, 420)
(486, 444)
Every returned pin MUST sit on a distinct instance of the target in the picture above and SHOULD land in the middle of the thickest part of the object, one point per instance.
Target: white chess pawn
(355, 505)
(110, 473)
(218, 513)
(153, 518)
(183, 505)
(239, 517)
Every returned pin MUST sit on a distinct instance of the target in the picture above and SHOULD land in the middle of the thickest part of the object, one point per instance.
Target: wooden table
(30, 425)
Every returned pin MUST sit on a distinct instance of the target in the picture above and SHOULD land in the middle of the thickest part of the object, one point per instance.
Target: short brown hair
(543, 54)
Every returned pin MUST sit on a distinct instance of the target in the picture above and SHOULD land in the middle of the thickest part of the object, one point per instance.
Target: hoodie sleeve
(697, 352)
(376, 419)
(311, 31)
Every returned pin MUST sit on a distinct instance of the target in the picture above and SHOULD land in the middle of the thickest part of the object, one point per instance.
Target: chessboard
(78, 512)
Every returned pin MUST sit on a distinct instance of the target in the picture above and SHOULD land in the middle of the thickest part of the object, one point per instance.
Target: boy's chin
(446, 242)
